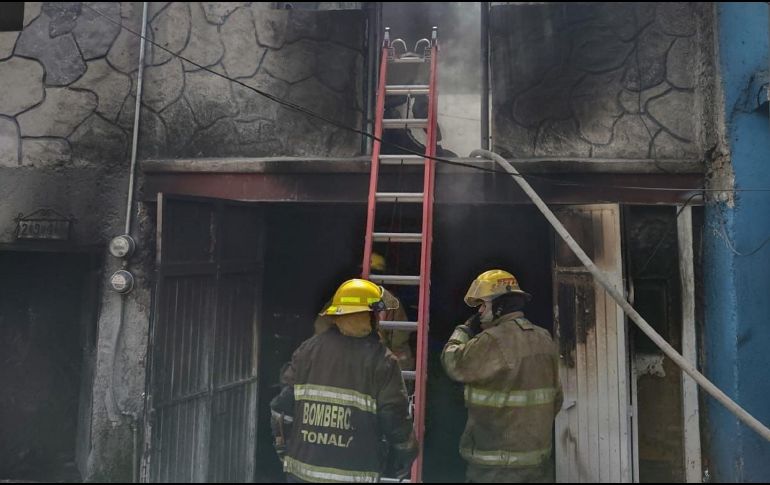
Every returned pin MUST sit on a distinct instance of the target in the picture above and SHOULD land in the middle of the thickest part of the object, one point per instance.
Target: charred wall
(602, 80)
(66, 78)
(69, 82)
(65, 130)
(305, 57)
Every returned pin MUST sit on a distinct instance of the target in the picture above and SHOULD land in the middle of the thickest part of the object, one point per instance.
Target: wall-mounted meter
(122, 246)
(122, 281)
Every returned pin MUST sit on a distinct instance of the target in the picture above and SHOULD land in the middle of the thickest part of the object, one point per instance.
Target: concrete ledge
(361, 165)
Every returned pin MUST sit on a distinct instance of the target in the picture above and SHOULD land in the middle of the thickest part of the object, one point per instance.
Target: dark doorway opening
(311, 249)
(47, 323)
(467, 241)
(653, 267)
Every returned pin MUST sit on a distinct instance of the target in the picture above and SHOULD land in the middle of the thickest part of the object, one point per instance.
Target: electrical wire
(290, 104)
(722, 231)
(312, 114)
(557, 182)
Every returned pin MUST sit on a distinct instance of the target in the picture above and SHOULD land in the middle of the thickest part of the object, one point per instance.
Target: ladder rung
(403, 237)
(409, 375)
(407, 60)
(407, 89)
(395, 279)
(394, 480)
(399, 196)
(396, 325)
(401, 160)
(393, 123)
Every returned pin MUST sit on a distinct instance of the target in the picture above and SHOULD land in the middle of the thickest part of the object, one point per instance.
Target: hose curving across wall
(604, 281)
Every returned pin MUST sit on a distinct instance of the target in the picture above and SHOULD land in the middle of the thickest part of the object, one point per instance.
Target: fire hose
(629, 310)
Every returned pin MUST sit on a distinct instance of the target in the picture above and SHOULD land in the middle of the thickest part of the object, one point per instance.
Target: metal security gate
(593, 431)
(202, 400)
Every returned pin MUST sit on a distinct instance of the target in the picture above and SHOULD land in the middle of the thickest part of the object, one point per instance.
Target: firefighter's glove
(280, 447)
(472, 326)
(280, 425)
(404, 454)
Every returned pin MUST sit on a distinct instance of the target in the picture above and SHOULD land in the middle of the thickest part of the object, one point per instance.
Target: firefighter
(510, 369)
(395, 340)
(343, 397)
(323, 322)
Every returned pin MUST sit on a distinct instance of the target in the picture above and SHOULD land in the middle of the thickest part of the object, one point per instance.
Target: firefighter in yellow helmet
(510, 369)
(395, 340)
(324, 322)
(377, 262)
(343, 395)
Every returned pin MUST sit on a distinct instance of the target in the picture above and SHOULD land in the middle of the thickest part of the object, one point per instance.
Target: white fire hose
(640, 322)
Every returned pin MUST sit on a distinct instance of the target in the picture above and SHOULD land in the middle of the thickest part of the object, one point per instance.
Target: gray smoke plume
(459, 26)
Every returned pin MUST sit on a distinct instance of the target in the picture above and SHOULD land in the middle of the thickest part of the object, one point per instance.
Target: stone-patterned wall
(66, 82)
(609, 80)
(67, 102)
(66, 78)
(70, 82)
(314, 59)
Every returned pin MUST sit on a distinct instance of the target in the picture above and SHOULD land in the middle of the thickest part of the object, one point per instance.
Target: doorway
(286, 259)
(47, 331)
(311, 248)
(204, 342)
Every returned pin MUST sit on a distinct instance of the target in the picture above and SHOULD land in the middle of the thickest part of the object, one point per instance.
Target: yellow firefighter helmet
(355, 296)
(377, 262)
(491, 284)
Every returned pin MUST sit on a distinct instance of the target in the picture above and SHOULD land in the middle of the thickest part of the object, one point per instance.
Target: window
(11, 16)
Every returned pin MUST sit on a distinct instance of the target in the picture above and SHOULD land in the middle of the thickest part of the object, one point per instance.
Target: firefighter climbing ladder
(422, 280)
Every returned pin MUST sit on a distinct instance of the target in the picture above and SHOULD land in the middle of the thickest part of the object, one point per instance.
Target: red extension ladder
(429, 57)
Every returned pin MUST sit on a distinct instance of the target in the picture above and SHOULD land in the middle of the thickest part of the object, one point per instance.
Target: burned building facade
(247, 213)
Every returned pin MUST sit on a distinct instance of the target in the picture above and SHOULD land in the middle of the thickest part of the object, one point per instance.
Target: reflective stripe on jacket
(344, 395)
(512, 391)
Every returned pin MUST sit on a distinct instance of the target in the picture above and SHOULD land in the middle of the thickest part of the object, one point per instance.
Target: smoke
(459, 85)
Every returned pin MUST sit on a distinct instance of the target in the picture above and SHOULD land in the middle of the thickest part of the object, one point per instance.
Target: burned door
(593, 439)
(201, 424)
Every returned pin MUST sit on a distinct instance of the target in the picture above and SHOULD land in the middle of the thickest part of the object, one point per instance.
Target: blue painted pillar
(737, 286)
